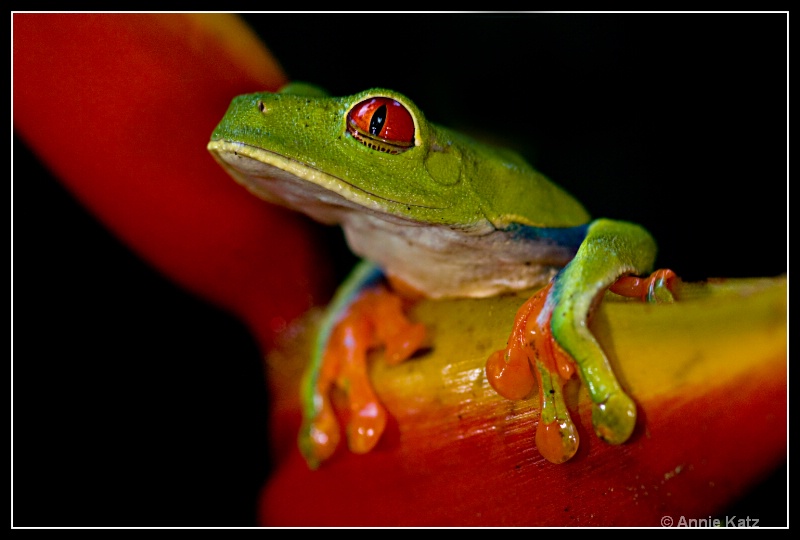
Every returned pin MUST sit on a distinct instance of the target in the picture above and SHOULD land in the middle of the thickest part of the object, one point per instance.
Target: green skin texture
(449, 179)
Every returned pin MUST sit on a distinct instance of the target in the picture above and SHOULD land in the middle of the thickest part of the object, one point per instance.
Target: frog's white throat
(462, 260)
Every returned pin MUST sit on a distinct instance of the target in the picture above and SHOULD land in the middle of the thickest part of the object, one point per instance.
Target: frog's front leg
(363, 315)
(551, 332)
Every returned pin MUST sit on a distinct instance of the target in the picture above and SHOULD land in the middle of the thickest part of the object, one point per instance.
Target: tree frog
(436, 214)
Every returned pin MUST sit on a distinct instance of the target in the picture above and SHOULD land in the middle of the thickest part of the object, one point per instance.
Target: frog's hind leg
(362, 315)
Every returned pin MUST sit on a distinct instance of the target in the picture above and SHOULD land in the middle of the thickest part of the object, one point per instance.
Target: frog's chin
(472, 260)
(296, 185)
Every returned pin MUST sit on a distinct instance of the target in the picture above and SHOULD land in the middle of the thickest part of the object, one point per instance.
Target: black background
(136, 404)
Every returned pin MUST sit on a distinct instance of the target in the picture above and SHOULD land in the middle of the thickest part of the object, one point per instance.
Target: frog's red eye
(382, 124)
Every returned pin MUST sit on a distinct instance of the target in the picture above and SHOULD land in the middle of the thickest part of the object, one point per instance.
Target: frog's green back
(512, 191)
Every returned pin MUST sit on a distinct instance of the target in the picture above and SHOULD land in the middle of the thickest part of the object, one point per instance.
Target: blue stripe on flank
(566, 237)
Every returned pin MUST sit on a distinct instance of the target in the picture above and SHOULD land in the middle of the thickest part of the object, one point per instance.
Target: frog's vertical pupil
(377, 120)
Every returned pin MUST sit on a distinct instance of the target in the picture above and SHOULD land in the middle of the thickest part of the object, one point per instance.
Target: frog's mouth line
(263, 158)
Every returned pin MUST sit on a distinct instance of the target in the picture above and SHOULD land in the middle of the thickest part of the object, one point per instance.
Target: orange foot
(375, 318)
(534, 356)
